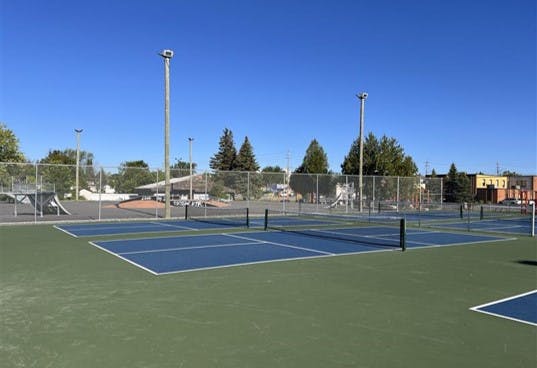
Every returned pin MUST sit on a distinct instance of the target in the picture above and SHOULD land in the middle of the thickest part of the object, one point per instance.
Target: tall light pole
(190, 140)
(77, 131)
(362, 96)
(167, 55)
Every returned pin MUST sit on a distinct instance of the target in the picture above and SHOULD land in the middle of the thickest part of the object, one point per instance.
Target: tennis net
(388, 231)
(232, 217)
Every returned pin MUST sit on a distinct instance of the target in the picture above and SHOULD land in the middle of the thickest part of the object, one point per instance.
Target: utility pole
(167, 55)
(426, 168)
(362, 96)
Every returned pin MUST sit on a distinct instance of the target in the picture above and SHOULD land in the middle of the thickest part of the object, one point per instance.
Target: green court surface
(65, 303)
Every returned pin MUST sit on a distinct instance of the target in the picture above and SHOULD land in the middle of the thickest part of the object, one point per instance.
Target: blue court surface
(124, 228)
(520, 308)
(521, 226)
(194, 252)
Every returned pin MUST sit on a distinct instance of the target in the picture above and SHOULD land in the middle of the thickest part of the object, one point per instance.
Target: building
(489, 188)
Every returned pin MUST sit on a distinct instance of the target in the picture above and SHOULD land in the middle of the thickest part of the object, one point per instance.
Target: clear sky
(452, 81)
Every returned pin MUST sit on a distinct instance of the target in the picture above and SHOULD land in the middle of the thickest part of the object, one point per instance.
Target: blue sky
(452, 81)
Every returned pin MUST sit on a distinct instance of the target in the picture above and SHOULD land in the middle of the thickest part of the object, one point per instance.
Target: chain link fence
(46, 192)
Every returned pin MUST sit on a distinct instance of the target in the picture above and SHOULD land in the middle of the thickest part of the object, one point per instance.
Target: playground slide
(334, 204)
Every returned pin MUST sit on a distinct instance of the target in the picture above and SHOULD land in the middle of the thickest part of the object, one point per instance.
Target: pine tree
(224, 159)
(381, 157)
(245, 160)
(457, 186)
(315, 160)
(305, 179)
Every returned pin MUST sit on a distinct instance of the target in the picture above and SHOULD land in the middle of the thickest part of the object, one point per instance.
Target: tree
(457, 186)
(224, 159)
(272, 169)
(510, 173)
(315, 160)
(59, 168)
(131, 175)
(245, 160)
(182, 168)
(9, 146)
(385, 157)
(248, 182)
(305, 179)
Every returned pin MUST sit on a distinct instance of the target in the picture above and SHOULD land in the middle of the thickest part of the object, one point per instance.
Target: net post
(186, 212)
(461, 211)
(532, 207)
(247, 217)
(266, 219)
(402, 234)
(481, 214)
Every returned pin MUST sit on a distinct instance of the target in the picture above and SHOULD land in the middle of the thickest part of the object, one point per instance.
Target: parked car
(511, 202)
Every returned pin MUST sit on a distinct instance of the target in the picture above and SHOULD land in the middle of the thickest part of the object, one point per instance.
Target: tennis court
(66, 302)
(189, 253)
(519, 226)
(239, 219)
(125, 228)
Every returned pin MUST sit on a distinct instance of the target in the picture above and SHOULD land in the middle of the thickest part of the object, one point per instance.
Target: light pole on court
(362, 96)
(190, 140)
(77, 131)
(167, 55)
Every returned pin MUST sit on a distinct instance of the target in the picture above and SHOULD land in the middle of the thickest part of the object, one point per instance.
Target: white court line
(65, 231)
(125, 259)
(478, 308)
(126, 226)
(175, 226)
(280, 244)
(187, 248)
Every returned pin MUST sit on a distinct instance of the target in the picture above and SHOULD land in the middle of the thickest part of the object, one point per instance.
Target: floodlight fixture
(167, 54)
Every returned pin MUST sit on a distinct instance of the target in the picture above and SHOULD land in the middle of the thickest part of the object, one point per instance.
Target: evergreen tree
(305, 179)
(457, 186)
(315, 160)
(245, 160)
(224, 159)
(272, 169)
(381, 157)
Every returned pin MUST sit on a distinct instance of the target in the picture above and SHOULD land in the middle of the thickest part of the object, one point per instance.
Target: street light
(362, 96)
(167, 55)
(77, 131)
(190, 140)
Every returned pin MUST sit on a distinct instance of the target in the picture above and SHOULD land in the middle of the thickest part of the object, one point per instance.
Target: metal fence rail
(114, 193)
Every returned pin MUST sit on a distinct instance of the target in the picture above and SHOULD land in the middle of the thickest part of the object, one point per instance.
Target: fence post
(317, 194)
(156, 197)
(35, 199)
(100, 190)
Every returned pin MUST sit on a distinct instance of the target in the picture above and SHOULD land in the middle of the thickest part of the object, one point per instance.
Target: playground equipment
(44, 202)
